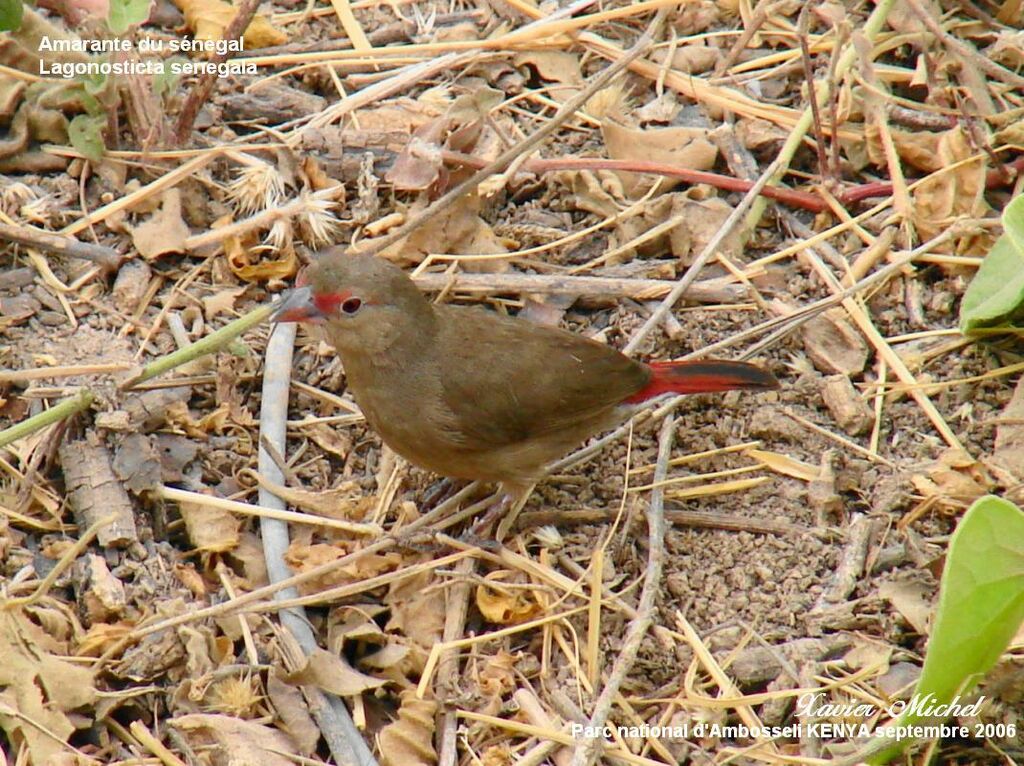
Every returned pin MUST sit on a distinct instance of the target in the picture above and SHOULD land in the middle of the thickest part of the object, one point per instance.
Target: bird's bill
(298, 306)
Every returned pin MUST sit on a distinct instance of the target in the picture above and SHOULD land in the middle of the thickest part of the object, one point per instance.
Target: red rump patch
(701, 377)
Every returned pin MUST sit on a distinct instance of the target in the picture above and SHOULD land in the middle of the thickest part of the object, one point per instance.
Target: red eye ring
(351, 305)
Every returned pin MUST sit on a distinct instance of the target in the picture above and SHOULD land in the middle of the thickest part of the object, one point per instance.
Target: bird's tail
(703, 376)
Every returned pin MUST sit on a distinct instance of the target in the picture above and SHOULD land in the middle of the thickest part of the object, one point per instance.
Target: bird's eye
(351, 305)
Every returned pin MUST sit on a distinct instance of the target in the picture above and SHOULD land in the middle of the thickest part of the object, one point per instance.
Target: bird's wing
(506, 380)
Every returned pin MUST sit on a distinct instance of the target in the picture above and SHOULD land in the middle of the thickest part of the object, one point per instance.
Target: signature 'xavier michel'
(470, 394)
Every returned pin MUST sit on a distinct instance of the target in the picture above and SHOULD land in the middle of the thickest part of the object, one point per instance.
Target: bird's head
(358, 297)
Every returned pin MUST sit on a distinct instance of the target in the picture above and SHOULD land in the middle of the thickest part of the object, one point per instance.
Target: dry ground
(811, 562)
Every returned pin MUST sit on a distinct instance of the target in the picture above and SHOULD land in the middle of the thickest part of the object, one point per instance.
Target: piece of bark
(274, 102)
(821, 492)
(833, 345)
(131, 285)
(850, 411)
(851, 565)
(95, 493)
(18, 309)
(16, 279)
(137, 463)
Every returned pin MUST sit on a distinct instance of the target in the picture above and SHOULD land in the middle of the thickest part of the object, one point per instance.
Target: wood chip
(850, 411)
(94, 493)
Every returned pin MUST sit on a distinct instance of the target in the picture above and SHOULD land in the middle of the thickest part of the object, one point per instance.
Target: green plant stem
(58, 412)
(208, 345)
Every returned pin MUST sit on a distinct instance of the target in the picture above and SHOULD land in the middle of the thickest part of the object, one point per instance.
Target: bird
(467, 393)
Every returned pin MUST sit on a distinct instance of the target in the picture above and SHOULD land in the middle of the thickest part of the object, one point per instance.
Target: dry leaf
(303, 558)
(557, 67)
(913, 600)
(400, 115)
(230, 740)
(955, 480)
(247, 265)
(505, 606)
(683, 147)
(1009, 444)
(457, 230)
(417, 609)
(209, 18)
(222, 301)
(211, 530)
(329, 439)
(291, 708)
(345, 503)
(165, 231)
(104, 598)
(101, 637)
(786, 465)
(409, 741)
(331, 673)
(497, 677)
(40, 690)
(940, 201)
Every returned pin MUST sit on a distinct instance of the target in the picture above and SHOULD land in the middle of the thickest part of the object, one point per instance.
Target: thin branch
(587, 751)
(107, 258)
(335, 722)
(200, 92)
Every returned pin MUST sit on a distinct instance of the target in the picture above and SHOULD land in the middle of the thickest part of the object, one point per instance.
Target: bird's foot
(482, 528)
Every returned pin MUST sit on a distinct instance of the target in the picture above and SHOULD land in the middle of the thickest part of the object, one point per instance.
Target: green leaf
(996, 294)
(981, 607)
(94, 83)
(11, 12)
(167, 80)
(126, 13)
(86, 134)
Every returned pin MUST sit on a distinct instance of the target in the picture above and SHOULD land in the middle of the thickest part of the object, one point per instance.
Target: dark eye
(351, 305)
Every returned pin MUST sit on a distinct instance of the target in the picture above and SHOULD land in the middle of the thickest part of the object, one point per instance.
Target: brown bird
(469, 394)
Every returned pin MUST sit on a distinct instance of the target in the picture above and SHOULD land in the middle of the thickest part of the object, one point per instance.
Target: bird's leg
(440, 491)
(504, 511)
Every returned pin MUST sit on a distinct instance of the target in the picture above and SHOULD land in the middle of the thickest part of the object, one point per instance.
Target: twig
(457, 606)
(263, 511)
(201, 90)
(336, 725)
(208, 345)
(58, 412)
(803, 28)
(851, 565)
(49, 373)
(637, 289)
(749, 30)
(107, 258)
(791, 197)
(696, 519)
(962, 49)
(586, 752)
(658, 315)
(525, 147)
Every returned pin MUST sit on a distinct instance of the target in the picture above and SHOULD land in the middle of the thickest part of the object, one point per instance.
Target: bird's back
(509, 382)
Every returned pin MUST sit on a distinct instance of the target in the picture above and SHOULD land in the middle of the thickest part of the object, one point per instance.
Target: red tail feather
(704, 376)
